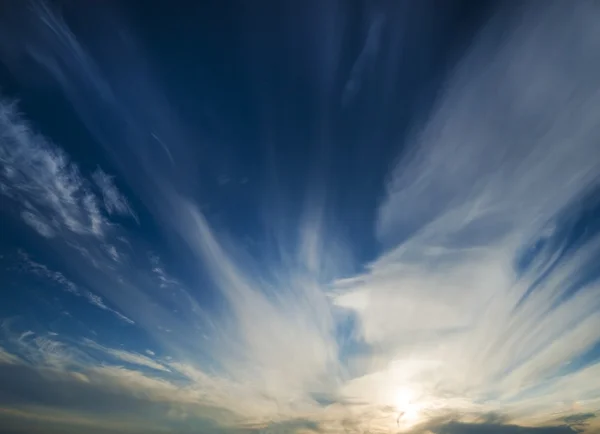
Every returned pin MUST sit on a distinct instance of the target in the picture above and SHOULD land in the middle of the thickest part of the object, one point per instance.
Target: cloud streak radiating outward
(59, 279)
(481, 271)
(480, 311)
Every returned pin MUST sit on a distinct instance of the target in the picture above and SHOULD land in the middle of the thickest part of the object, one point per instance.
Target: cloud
(67, 285)
(45, 180)
(60, 400)
(480, 303)
(463, 428)
(54, 276)
(114, 201)
(8, 358)
(34, 419)
(123, 317)
(41, 351)
(38, 223)
(164, 279)
(127, 356)
(113, 253)
(44, 352)
(578, 418)
(366, 56)
(476, 306)
(580, 422)
(55, 378)
(52, 192)
(256, 333)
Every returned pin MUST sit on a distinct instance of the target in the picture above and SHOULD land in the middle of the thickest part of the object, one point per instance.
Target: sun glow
(407, 407)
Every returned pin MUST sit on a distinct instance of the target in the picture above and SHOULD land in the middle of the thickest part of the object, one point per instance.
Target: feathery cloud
(127, 356)
(477, 305)
(488, 181)
(67, 285)
(114, 201)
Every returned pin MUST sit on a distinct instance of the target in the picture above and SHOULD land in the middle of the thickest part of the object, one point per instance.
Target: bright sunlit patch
(407, 407)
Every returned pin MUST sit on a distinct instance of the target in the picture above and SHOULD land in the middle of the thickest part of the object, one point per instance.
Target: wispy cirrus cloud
(114, 201)
(67, 285)
(481, 302)
(8, 358)
(38, 223)
(127, 356)
(366, 57)
(478, 304)
(158, 269)
(91, 380)
(40, 350)
(54, 276)
(53, 195)
(249, 342)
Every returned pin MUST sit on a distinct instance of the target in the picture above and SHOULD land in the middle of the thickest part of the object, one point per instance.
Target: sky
(310, 217)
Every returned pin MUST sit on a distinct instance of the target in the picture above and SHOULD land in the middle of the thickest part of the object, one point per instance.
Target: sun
(405, 403)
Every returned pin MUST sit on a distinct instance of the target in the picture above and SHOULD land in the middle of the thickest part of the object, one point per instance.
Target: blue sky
(299, 217)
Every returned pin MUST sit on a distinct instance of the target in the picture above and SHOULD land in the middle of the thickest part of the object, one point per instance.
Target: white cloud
(114, 201)
(38, 173)
(38, 223)
(54, 276)
(511, 145)
(63, 362)
(41, 351)
(113, 253)
(54, 195)
(67, 285)
(97, 301)
(367, 56)
(123, 317)
(127, 356)
(8, 358)
(164, 279)
(282, 343)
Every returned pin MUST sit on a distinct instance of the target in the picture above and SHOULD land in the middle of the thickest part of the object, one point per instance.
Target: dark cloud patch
(23, 385)
(579, 421)
(496, 428)
(579, 418)
(289, 427)
(494, 418)
(30, 398)
(20, 425)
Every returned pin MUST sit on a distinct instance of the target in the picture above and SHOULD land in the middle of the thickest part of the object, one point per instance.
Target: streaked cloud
(127, 356)
(38, 223)
(114, 201)
(476, 305)
(8, 358)
(489, 180)
(41, 179)
(67, 285)
(42, 175)
(365, 59)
